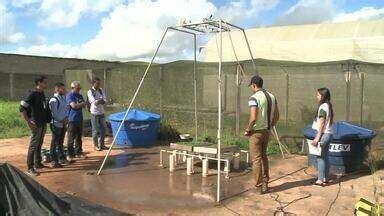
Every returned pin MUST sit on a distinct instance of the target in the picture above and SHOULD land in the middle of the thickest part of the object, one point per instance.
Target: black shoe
(57, 165)
(40, 166)
(97, 148)
(104, 148)
(32, 172)
(64, 162)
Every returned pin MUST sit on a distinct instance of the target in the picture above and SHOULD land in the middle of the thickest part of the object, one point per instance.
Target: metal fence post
(238, 99)
(362, 80)
(286, 98)
(105, 80)
(11, 86)
(161, 90)
(348, 95)
(225, 93)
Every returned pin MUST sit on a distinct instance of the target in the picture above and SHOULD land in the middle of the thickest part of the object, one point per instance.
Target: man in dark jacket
(35, 111)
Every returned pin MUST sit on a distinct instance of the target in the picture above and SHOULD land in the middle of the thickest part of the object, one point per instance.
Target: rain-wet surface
(133, 183)
(134, 178)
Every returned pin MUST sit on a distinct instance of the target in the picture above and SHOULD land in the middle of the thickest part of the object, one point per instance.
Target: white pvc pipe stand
(171, 163)
(205, 168)
(190, 166)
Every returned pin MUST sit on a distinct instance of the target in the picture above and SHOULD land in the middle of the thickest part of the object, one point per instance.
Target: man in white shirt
(97, 99)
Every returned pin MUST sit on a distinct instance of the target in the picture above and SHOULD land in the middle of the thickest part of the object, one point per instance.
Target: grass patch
(11, 122)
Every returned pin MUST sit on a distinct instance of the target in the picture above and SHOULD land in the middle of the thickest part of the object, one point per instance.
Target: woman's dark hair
(326, 98)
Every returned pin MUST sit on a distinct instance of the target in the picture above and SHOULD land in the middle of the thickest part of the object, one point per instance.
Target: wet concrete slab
(134, 178)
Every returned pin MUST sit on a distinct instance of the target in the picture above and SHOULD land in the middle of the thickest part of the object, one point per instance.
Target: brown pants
(258, 143)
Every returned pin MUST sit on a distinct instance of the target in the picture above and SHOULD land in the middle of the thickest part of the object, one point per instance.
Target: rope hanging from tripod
(242, 73)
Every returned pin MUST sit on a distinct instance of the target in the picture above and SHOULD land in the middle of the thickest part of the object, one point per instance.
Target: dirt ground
(134, 183)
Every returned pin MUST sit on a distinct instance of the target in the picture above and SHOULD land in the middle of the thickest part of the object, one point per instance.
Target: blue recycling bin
(347, 149)
(140, 128)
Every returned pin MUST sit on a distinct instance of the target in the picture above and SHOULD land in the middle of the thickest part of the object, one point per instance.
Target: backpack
(58, 102)
(88, 104)
(270, 119)
(50, 111)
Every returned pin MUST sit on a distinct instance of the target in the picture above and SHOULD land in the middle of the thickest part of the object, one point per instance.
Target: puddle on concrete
(134, 178)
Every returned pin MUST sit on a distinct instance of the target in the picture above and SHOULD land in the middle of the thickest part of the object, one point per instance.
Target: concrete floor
(133, 182)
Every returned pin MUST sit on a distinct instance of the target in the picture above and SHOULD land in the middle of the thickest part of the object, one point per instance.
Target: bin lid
(343, 131)
(135, 115)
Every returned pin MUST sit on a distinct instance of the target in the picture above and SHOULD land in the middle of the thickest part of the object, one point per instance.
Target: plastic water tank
(140, 128)
(347, 149)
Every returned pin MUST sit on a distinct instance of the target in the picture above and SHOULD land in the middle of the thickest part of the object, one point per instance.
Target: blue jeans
(57, 149)
(322, 161)
(98, 130)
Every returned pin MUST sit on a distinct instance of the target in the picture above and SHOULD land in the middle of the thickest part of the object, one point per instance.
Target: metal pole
(250, 51)
(286, 98)
(195, 82)
(348, 95)
(362, 77)
(219, 114)
(238, 96)
(12, 86)
(105, 81)
(132, 100)
(161, 90)
(225, 93)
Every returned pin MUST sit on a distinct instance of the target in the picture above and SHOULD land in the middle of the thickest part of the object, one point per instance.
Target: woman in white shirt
(323, 125)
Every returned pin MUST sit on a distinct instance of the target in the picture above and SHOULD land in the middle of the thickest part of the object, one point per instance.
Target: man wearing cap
(264, 115)
(75, 121)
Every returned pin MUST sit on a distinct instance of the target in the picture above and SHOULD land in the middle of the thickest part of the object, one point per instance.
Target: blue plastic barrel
(347, 149)
(140, 128)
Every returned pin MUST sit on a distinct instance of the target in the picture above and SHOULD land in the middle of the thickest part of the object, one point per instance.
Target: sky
(126, 30)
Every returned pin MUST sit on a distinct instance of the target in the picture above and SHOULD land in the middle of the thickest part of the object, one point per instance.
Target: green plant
(273, 148)
(168, 132)
(11, 123)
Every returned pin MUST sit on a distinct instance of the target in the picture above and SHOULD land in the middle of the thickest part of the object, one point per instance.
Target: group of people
(264, 115)
(64, 114)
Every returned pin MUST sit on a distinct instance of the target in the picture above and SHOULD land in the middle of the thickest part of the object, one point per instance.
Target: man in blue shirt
(76, 103)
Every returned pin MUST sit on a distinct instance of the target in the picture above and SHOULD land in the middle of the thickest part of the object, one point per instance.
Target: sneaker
(81, 155)
(264, 188)
(97, 148)
(69, 159)
(40, 166)
(57, 165)
(32, 172)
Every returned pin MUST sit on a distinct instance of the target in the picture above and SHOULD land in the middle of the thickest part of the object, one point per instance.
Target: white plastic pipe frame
(175, 156)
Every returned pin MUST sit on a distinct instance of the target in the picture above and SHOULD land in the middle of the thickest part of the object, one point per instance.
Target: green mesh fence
(168, 89)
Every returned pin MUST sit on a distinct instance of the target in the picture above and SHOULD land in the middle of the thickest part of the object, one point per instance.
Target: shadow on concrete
(114, 161)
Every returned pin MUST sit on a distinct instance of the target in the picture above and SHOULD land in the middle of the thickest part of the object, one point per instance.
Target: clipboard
(314, 150)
